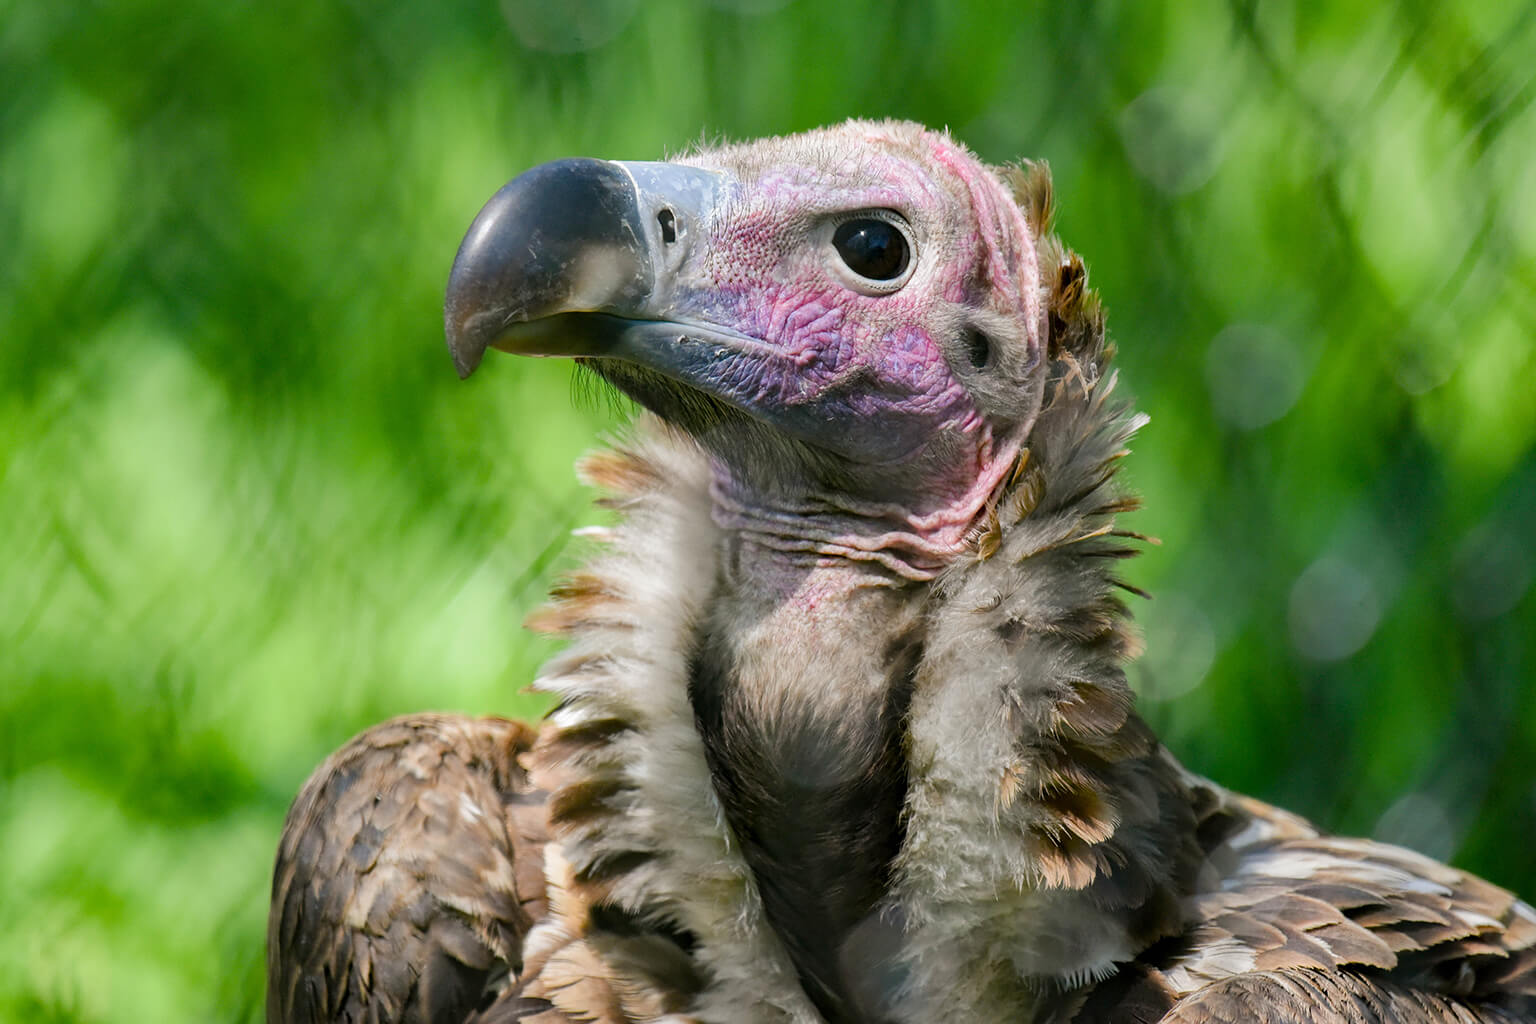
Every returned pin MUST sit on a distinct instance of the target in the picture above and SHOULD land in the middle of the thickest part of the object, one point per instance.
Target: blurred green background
(246, 508)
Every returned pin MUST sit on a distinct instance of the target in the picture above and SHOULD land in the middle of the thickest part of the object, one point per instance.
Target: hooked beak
(575, 236)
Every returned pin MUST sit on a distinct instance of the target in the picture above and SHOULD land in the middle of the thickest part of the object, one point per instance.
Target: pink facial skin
(882, 379)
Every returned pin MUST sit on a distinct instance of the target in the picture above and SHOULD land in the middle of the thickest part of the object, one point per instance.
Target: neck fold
(790, 531)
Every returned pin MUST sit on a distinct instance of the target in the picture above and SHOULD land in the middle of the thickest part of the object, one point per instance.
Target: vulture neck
(800, 685)
(857, 796)
(785, 533)
(800, 678)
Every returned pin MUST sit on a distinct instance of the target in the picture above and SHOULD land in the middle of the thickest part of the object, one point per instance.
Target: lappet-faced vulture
(843, 731)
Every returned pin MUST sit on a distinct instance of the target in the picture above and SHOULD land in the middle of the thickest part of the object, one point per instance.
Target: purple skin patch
(875, 400)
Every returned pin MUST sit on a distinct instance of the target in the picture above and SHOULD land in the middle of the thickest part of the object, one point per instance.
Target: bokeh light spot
(1181, 646)
(1255, 375)
(1491, 572)
(67, 168)
(1171, 140)
(1334, 609)
(572, 26)
(1419, 822)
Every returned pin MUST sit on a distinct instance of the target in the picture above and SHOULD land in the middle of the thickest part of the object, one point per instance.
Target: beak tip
(466, 357)
(465, 344)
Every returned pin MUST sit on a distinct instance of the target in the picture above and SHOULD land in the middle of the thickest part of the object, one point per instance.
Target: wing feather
(407, 875)
(1289, 924)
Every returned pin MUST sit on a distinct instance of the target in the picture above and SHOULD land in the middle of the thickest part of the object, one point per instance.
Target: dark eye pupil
(872, 248)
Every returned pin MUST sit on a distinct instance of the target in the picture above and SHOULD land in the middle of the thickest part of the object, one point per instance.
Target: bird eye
(872, 248)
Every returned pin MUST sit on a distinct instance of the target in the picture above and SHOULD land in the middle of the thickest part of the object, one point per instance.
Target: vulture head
(851, 320)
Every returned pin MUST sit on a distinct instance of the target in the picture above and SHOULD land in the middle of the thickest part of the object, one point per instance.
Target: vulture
(842, 731)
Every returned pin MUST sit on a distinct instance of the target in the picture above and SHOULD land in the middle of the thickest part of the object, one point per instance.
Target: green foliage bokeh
(246, 508)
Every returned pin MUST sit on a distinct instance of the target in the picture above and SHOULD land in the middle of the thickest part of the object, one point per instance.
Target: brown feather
(401, 888)
(1325, 997)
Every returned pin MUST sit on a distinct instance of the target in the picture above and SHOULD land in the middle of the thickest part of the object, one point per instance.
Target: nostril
(668, 222)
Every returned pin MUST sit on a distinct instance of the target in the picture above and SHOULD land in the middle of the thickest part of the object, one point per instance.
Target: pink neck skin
(843, 542)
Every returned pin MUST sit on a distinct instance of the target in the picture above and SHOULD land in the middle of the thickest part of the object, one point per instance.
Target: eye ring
(872, 250)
